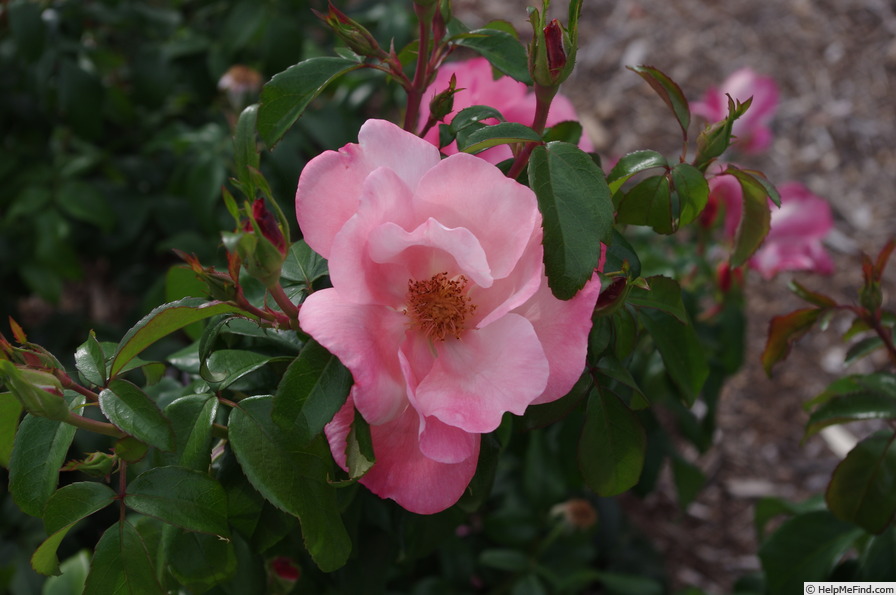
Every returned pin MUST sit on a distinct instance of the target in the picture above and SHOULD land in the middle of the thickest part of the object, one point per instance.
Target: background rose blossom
(512, 98)
(794, 242)
(439, 306)
(751, 130)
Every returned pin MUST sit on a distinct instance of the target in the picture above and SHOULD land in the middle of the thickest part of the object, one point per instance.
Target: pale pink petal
(751, 130)
(446, 444)
(562, 327)
(402, 472)
(502, 213)
(430, 249)
(727, 190)
(476, 379)
(513, 290)
(329, 187)
(366, 340)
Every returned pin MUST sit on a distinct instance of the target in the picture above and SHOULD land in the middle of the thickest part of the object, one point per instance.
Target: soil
(835, 131)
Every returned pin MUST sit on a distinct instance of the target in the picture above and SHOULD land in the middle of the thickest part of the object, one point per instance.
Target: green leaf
(569, 131)
(805, 548)
(863, 486)
(814, 298)
(499, 134)
(84, 202)
(359, 455)
(690, 192)
(128, 407)
(292, 474)
(64, 509)
(472, 117)
(649, 202)
(669, 92)
(689, 480)
(285, 97)
(226, 366)
(303, 265)
(10, 412)
(783, 332)
(862, 349)
(680, 348)
(578, 214)
(245, 154)
(501, 49)
(160, 323)
(853, 407)
(662, 294)
(756, 219)
(73, 573)
(312, 390)
(121, 565)
(621, 256)
(768, 508)
(38, 452)
(631, 164)
(879, 383)
(611, 367)
(200, 561)
(612, 445)
(878, 561)
(192, 417)
(182, 497)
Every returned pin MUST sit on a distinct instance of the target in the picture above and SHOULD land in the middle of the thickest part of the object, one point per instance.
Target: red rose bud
(709, 213)
(553, 37)
(268, 225)
(612, 297)
(355, 36)
(285, 569)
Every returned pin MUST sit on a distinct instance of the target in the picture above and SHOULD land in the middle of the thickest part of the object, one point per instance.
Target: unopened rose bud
(39, 392)
(577, 513)
(261, 246)
(355, 35)
(552, 51)
(553, 36)
(268, 225)
(218, 285)
(442, 103)
(96, 464)
(285, 569)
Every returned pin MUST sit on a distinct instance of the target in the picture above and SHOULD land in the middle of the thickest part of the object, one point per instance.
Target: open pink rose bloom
(751, 130)
(439, 307)
(794, 242)
(513, 99)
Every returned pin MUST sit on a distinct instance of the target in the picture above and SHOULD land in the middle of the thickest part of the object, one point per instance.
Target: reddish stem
(421, 74)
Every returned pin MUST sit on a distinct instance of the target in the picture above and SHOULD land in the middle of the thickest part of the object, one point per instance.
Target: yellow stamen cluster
(439, 306)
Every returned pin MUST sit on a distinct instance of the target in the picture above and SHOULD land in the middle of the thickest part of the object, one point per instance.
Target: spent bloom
(794, 242)
(515, 101)
(751, 130)
(439, 307)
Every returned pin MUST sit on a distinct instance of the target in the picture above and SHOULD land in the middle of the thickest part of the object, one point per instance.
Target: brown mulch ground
(835, 64)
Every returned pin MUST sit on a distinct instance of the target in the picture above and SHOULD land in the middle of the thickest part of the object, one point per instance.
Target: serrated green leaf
(312, 390)
(91, 361)
(756, 219)
(292, 475)
(303, 265)
(121, 565)
(577, 211)
(182, 497)
(569, 131)
(160, 323)
(500, 48)
(499, 134)
(38, 452)
(863, 486)
(663, 294)
(649, 202)
(64, 509)
(783, 332)
(359, 455)
(131, 410)
(692, 191)
(879, 383)
(200, 561)
(226, 366)
(669, 92)
(192, 417)
(853, 407)
(10, 413)
(285, 97)
(805, 548)
(680, 348)
(73, 573)
(631, 164)
(612, 368)
(473, 117)
(612, 445)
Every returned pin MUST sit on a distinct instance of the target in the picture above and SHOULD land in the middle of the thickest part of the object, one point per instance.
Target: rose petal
(446, 444)
(476, 379)
(366, 340)
(402, 472)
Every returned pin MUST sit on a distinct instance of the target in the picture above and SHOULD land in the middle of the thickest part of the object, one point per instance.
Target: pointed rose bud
(442, 103)
(355, 36)
(553, 36)
(39, 392)
(268, 225)
(218, 285)
(261, 245)
(96, 464)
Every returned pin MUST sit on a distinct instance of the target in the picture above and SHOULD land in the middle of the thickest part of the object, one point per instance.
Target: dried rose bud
(241, 84)
(577, 513)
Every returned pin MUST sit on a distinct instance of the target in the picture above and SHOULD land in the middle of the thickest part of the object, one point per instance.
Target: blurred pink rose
(751, 129)
(794, 242)
(439, 306)
(512, 98)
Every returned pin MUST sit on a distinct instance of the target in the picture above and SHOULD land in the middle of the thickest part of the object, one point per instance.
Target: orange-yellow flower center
(439, 306)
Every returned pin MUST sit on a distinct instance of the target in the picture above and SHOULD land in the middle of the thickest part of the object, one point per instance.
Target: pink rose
(751, 129)
(439, 306)
(794, 242)
(512, 98)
